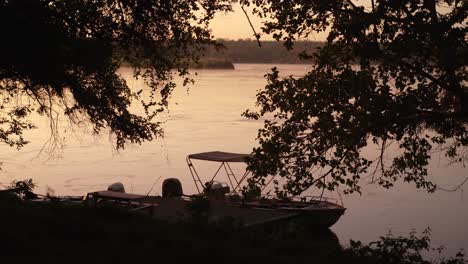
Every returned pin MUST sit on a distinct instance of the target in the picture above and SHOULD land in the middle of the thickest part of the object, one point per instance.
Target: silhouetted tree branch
(395, 74)
(64, 55)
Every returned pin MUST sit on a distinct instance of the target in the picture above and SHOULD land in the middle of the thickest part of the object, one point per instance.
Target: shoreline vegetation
(68, 232)
(248, 51)
(213, 63)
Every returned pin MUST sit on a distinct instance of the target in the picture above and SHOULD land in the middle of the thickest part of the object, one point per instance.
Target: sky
(235, 25)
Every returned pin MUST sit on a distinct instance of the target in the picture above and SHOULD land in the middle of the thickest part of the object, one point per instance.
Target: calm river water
(207, 118)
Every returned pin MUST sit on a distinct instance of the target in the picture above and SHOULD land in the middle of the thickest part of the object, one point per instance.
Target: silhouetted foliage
(398, 250)
(62, 57)
(199, 209)
(391, 74)
(20, 191)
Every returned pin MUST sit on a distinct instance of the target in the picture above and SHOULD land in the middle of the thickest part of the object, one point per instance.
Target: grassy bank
(76, 234)
(55, 232)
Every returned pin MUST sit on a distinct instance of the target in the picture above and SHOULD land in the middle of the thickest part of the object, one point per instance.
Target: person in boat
(216, 189)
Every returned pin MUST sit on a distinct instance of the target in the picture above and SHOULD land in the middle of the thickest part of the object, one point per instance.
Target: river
(208, 117)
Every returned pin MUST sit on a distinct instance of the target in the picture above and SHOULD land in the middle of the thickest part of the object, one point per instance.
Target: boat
(219, 201)
(317, 212)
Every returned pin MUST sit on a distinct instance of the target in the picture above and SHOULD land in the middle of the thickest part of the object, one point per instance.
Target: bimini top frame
(224, 158)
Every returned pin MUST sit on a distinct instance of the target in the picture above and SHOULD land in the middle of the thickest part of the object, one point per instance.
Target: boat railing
(306, 198)
(302, 198)
(312, 198)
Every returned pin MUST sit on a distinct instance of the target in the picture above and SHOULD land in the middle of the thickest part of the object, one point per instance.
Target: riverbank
(76, 234)
(57, 232)
(213, 64)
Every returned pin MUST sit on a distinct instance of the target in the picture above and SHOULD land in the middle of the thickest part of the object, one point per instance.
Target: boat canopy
(222, 157)
(219, 156)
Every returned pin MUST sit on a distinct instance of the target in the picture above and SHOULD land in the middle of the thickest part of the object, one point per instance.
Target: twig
(454, 189)
(257, 36)
(147, 194)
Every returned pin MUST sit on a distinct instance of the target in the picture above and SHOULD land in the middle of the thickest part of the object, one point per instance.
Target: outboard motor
(172, 187)
(116, 187)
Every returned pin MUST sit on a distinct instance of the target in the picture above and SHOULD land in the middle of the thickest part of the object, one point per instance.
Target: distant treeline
(248, 51)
